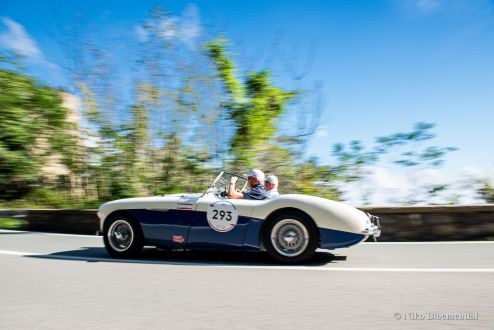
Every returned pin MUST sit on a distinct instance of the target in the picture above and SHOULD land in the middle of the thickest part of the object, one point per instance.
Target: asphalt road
(51, 281)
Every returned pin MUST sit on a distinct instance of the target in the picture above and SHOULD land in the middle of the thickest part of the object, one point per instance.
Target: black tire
(122, 236)
(291, 237)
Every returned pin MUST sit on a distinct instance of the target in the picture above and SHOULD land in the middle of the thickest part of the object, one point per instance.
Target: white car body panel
(325, 213)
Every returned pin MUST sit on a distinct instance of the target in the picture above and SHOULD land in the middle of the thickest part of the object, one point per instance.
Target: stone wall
(66, 221)
(435, 223)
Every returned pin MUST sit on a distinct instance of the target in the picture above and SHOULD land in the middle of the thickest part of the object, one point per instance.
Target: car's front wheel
(122, 236)
(291, 237)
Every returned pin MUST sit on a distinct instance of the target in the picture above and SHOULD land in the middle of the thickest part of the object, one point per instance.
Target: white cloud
(185, 28)
(476, 173)
(427, 5)
(456, 7)
(422, 7)
(16, 38)
(428, 176)
(169, 28)
(386, 179)
(322, 131)
(141, 33)
(381, 186)
(190, 28)
(393, 186)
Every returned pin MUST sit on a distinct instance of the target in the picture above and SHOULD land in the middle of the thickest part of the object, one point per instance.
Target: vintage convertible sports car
(289, 227)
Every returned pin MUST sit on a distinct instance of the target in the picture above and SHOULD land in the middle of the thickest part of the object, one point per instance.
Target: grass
(11, 223)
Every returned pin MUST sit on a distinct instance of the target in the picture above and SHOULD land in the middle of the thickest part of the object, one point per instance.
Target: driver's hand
(233, 180)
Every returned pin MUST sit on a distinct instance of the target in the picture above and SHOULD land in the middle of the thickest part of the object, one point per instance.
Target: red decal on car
(178, 239)
(185, 206)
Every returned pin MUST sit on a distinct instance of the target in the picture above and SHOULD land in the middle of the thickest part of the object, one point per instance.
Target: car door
(220, 223)
(168, 221)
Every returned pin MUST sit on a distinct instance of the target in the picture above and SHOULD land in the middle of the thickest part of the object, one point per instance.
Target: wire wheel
(123, 236)
(289, 237)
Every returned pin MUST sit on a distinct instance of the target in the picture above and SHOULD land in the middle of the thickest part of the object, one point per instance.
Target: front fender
(325, 213)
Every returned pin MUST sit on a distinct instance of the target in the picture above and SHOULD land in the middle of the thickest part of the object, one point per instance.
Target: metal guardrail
(17, 213)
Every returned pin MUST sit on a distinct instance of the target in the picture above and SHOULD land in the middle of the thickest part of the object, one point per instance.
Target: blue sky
(384, 64)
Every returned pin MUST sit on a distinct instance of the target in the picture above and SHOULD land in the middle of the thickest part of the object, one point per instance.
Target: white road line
(19, 253)
(7, 231)
(268, 267)
(69, 235)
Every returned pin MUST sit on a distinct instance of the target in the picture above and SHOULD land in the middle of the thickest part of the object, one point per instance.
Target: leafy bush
(8, 223)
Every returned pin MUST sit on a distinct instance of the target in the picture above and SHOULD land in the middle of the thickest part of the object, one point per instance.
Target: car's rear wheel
(123, 236)
(290, 237)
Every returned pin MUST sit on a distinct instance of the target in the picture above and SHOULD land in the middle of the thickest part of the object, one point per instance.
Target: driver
(255, 180)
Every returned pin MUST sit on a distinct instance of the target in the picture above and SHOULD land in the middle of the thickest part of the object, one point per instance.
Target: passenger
(255, 179)
(272, 186)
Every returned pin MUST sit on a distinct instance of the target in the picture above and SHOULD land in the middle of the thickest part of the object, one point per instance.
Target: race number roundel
(222, 216)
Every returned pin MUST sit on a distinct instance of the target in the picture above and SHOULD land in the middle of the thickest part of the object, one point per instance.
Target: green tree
(32, 126)
(253, 105)
(404, 149)
(296, 175)
(487, 192)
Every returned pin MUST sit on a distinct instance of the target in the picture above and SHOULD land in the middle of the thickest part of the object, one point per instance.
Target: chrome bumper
(375, 228)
